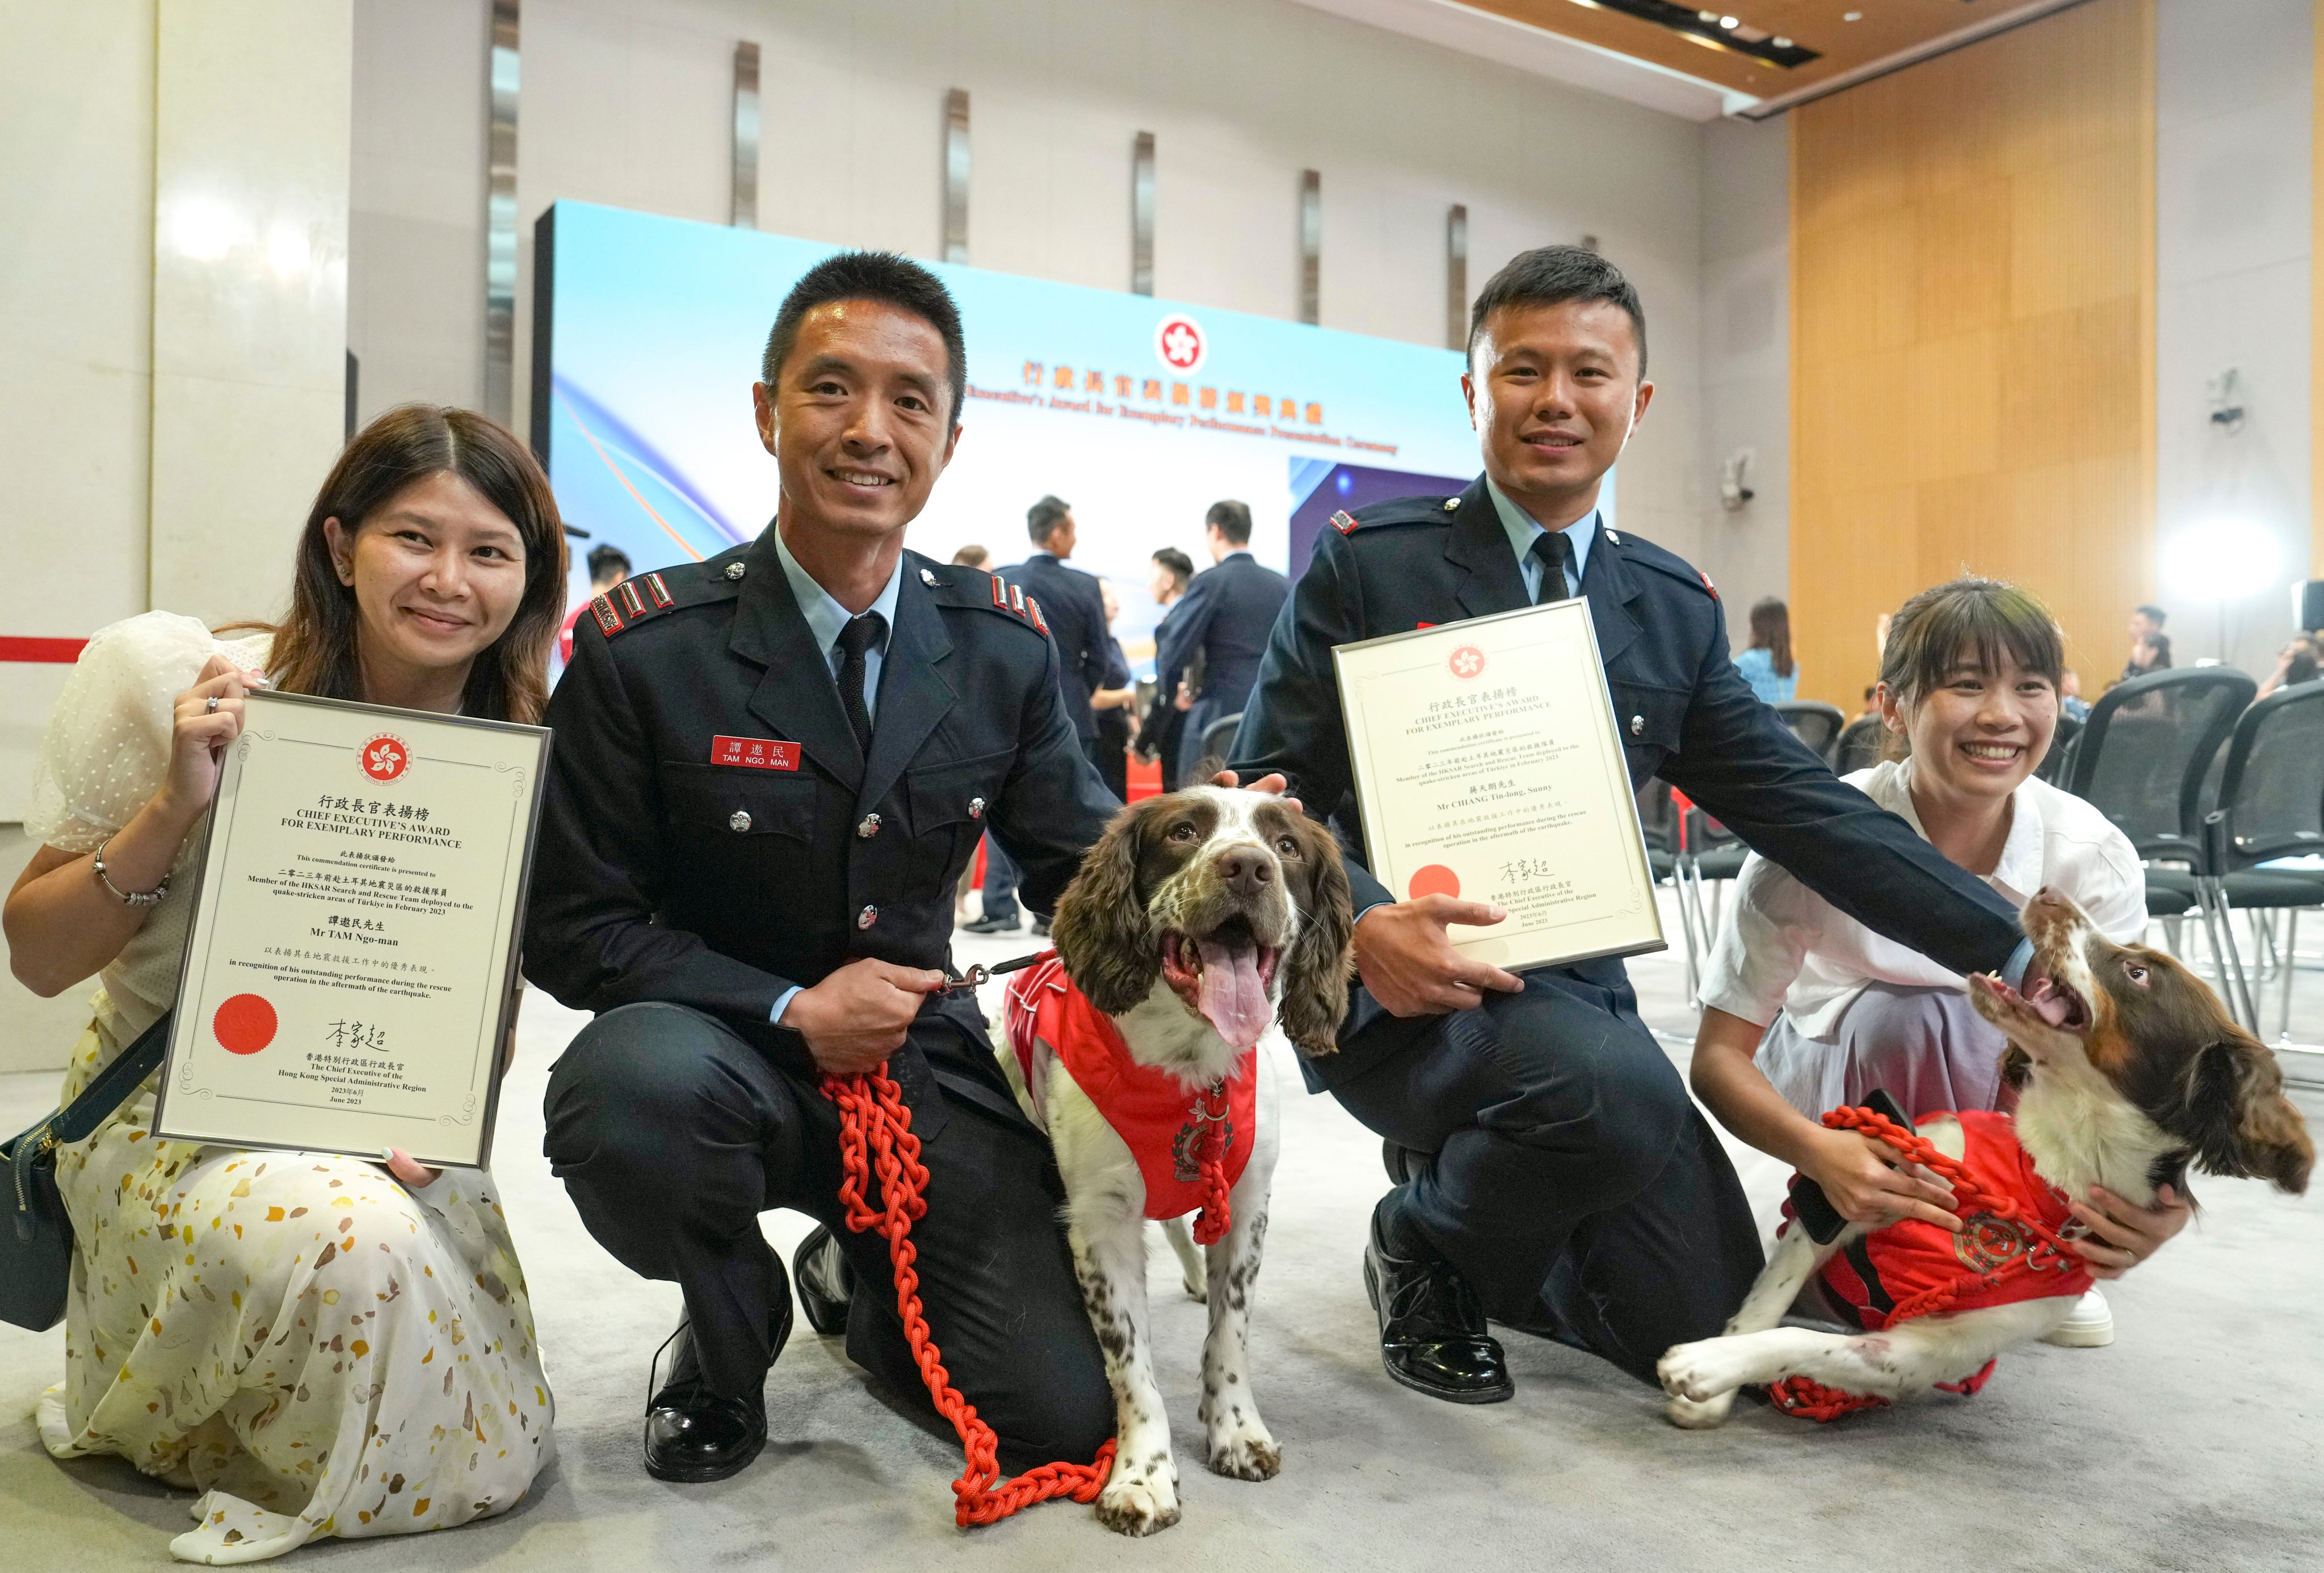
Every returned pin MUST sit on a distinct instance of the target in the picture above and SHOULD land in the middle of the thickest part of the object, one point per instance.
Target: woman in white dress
(317, 1345)
(1805, 1008)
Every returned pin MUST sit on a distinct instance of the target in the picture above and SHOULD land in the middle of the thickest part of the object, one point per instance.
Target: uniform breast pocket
(1650, 721)
(716, 816)
(947, 804)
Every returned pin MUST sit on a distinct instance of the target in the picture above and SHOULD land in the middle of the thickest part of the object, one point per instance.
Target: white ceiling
(1543, 54)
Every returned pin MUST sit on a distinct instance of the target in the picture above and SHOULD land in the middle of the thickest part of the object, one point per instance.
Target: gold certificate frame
(350, 971)
(1488, 766)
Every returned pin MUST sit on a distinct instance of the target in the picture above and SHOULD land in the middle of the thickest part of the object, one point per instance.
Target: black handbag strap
(114, 1085)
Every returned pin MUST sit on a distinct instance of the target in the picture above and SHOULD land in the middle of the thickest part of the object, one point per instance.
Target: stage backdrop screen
(1138, 412)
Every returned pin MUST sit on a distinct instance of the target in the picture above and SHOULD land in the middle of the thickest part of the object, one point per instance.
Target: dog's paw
(1699, 1372)
(1690, 1416)
(1138, 1504)
(1246, 1452)
(1197, 1284)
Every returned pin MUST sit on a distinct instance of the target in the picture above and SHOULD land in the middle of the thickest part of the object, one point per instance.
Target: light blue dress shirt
(826, 617)
(1524, 529)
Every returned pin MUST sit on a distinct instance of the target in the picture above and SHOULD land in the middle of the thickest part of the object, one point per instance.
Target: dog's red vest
(1150, 1110)
(1903, 1260)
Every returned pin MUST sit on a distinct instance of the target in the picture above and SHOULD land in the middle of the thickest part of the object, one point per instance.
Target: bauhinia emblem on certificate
(351, 962)
(1488, 766)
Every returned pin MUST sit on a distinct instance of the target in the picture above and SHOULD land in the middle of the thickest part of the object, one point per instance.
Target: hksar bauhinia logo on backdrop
(1468, 661)
(1181, 344)
(384, 757)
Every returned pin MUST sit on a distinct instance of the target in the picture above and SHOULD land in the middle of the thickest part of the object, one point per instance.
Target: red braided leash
(1210, 1107)
(1810, 1400)
(875, 1131)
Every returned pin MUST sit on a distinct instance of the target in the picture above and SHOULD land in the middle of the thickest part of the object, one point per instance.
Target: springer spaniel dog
(1202, 925)
(2129, 1069)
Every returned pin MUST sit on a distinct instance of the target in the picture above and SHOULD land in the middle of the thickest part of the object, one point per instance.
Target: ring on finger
(211, 707)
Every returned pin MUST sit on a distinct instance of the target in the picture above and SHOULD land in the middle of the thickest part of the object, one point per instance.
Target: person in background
(1871, 711)
(1229, 611)
(608, 566)
(2071, 703)
(282, 1362)
(971, 555)
(2150, 647)
(1074, 609)
(1765, 662)
(2295, 663)
(1805, 1009)
(1165, 717)
(1116, 706)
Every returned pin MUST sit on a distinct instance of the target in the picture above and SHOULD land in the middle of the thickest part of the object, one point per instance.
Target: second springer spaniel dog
(1202, 924)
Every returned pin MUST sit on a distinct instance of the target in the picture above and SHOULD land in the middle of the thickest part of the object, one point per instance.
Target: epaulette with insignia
(644, 595)
(1647, 554)
(957, 588)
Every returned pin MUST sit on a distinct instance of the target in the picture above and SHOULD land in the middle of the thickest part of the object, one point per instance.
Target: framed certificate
(1488, 766)
(351, 962)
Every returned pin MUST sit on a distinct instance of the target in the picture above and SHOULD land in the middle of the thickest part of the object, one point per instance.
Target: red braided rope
(875, 1131)
(1210, 1107)
(1810, 1400)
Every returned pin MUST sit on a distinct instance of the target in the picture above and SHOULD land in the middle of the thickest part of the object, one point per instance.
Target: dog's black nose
(1246, 870)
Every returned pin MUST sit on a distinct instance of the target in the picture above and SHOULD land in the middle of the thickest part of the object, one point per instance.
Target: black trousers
(672, 1135)
(1567, 1169)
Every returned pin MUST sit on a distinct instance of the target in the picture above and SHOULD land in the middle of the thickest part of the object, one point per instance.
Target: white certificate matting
(1488, 766)
(351, 962)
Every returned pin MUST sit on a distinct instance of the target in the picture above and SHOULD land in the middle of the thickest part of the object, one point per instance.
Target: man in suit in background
(1226, 616)
(1165, 720)
(1073, 608)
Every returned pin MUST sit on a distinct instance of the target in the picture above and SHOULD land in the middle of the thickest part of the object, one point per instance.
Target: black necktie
(1551, 550)
(859, 635)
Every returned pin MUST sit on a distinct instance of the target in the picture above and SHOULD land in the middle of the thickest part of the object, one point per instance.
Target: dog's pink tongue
(1233, 1000)
(2049, 1003)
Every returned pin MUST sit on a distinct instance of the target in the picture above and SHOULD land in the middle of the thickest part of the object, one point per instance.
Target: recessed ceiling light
(1852, 16)
(1781, 43)
(1706, 16)
(1730, 21)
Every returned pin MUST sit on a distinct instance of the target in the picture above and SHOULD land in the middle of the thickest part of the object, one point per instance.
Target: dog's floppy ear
(1101, 928)
(1315, 968)
(2016, 1066)
(2232, 1108)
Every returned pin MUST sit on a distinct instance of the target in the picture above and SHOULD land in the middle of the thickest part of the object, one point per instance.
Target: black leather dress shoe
(1433, 1336)
(826, 1282)
(694, 1435)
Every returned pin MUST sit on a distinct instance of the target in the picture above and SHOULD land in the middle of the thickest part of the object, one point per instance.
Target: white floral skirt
(311, 1346)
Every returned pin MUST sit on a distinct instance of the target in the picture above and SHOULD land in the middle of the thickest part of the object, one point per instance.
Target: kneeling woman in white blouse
(1805, 1010)
(319, 1345)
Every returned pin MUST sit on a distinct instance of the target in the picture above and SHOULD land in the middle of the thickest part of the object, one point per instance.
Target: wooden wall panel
(1973, 338)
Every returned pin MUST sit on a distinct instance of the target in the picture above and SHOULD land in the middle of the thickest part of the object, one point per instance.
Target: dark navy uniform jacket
(1684, 713)
(713, 834)
(1074, 607)
(1228, 611)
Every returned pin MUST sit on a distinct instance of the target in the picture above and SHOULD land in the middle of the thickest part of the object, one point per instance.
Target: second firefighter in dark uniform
(770, 771)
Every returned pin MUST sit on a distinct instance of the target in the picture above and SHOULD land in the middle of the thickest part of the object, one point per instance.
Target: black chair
(1658, 822)
(1709, 856)
(1818, 726)
(2271, 806)
(2141, 759)
(1218, 738)
(1860, 745)
(2057, 763)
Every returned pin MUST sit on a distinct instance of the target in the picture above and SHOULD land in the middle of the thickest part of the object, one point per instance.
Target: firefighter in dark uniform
(769, 771)
(1552, 1173)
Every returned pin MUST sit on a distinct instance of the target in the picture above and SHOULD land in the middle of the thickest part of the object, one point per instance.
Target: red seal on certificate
(1435, 880)
(384, 757)
(1468, 661)
(244, 1023)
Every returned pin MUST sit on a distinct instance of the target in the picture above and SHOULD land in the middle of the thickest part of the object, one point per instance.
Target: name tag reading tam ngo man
(1488, 766)
(351, 961)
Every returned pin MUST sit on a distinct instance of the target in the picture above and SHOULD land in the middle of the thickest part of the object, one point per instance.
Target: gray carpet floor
(2192, 1443)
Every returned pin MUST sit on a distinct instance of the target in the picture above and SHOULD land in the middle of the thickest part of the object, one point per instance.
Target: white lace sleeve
(107, 747)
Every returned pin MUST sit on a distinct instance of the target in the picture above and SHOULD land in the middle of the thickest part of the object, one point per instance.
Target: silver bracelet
(128, 898)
